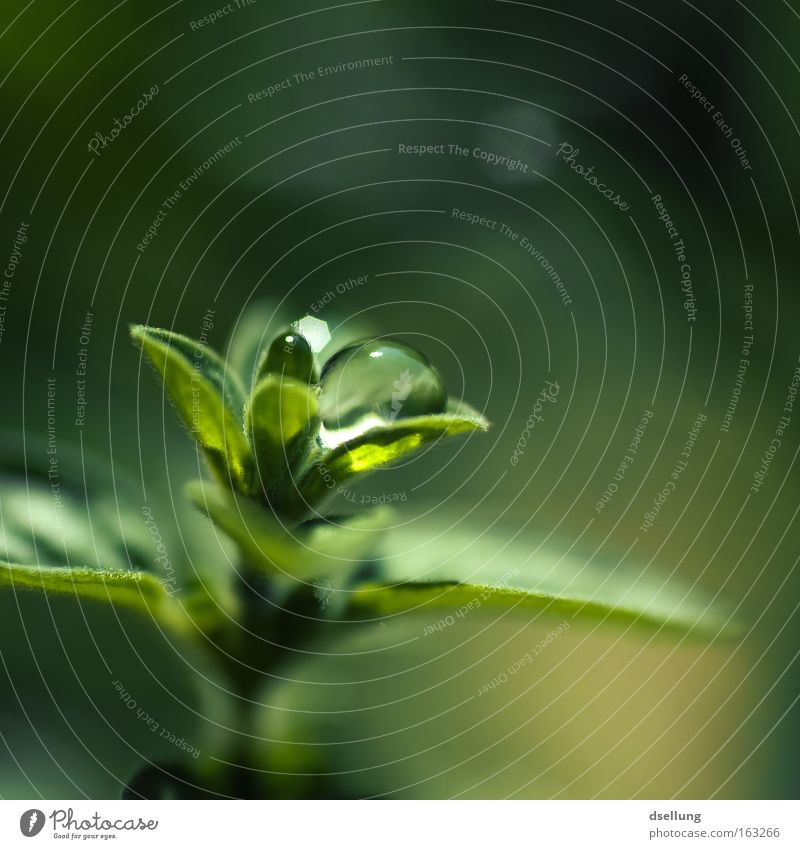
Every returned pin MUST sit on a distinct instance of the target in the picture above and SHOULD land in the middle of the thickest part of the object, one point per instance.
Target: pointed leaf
(134, 590)
(208, 399)
(460, 572)
(282, 417)
(274, 548)
(375, 443)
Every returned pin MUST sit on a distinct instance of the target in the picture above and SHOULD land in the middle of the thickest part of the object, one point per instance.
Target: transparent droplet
(289, 355)
(381, 377)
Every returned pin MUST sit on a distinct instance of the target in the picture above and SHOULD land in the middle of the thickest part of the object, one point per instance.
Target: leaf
(207, 397)
(461, 572)
(281, 418)
(68, 540)
(134, 590)
(106, 673)
(276, 549)
(375, 443)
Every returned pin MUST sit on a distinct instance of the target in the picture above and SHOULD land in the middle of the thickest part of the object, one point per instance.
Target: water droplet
(289, 355)
(379, 376)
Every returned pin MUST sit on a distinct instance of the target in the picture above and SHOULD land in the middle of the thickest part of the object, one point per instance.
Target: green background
(317, 193)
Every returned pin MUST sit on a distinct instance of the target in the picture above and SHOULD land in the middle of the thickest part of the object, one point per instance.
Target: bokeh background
(314, 190)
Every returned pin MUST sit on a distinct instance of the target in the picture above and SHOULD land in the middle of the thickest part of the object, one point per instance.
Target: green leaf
(106, 673)
(276, 549)
(207, 397)
(281, 419)
(78, 525)
(462, 573)
(375, 443)
(134, 590)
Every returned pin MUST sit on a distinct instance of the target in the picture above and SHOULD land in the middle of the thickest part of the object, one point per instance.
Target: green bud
(289, 355)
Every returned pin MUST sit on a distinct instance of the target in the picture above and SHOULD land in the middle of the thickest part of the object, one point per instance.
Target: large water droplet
(289, 355)
(382, 377)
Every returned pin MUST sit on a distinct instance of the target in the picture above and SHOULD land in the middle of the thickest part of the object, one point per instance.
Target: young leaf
(289, 356)
(375, 443)
(460, 571)
(208, 399)
(276, 549)
(281, 418)
(138, 591)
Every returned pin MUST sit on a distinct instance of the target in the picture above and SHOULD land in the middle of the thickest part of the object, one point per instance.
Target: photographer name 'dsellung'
(679, 249)
(318, 73)
(80, 371)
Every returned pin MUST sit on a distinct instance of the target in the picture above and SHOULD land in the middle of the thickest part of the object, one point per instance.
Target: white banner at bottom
(400, 824)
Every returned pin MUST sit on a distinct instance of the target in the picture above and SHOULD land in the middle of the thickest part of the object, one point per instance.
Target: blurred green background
(317, 191)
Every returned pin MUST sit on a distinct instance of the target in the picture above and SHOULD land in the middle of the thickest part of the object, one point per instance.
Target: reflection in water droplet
(379, 376)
